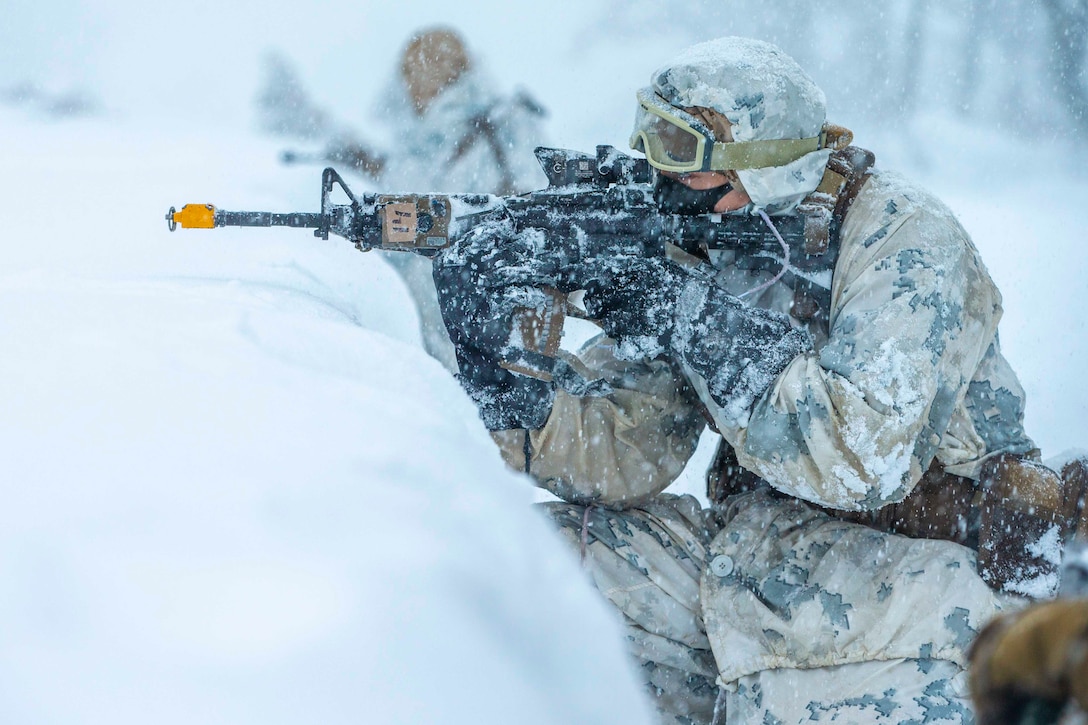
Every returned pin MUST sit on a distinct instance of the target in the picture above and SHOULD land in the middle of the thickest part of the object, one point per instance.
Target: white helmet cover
(766, 96)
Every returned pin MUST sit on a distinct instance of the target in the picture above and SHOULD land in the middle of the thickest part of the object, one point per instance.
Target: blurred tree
(975, 31)
(284, 106)
(913, 55)
(1000, 63)
(1069, 30)
(868, 60)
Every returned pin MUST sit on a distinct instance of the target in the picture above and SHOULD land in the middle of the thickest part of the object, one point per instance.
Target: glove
(738, 349)
(654, 307)
(635, 305)
(1031, 663)
(477, 311)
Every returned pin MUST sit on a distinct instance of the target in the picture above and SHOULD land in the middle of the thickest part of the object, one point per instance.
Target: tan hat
(432, 60)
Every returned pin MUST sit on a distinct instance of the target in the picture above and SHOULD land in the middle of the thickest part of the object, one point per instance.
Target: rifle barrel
(267, 219)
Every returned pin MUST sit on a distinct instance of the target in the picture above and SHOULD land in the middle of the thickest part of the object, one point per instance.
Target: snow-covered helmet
(775, 112)
(432, 60)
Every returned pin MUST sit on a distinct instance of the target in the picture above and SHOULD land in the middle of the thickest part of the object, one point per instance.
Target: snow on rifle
(596, 214)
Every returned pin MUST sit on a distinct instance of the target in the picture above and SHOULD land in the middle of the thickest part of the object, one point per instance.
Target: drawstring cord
(785, 260)
(585, 533)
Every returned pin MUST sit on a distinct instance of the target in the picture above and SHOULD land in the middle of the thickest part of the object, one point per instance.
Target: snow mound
(236, 490)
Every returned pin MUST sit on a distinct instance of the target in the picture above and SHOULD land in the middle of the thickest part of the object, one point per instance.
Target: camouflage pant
(651, 563)
(903, 691)
(648, 562)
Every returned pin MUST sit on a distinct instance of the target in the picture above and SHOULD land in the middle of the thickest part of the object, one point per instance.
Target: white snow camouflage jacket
(906, 369)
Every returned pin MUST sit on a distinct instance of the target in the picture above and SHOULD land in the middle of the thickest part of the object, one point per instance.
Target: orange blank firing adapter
(192, 216)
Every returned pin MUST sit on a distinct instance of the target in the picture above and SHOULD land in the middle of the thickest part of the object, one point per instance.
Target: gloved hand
(738, 349)
(1026, 666)
(477, 309)
(636, 305)
(655, 307)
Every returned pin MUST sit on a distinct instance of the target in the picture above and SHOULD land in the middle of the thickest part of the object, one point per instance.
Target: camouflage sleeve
(615, 449)
(855, 424)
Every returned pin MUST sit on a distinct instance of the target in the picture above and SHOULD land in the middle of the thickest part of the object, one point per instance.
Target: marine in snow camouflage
(767, 609)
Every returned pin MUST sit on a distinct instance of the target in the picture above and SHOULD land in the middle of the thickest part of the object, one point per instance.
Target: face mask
(672, 197)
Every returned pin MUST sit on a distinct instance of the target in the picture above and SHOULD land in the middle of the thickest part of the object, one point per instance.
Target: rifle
(596, 212)
(349, 154)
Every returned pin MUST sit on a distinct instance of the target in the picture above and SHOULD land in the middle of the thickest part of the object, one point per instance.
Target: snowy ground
(235, 488)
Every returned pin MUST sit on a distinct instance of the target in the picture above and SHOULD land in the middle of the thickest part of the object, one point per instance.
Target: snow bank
(235, 489)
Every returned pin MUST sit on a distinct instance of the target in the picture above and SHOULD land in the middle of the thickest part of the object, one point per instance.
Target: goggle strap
(761, 154)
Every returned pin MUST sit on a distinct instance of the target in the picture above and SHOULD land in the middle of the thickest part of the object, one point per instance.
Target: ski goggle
(674, 140)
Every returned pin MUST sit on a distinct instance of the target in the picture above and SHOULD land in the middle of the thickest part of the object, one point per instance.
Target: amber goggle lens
(668, 142)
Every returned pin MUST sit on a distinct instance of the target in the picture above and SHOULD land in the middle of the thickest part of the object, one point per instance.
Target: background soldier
(872, 431)
(452, 132)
